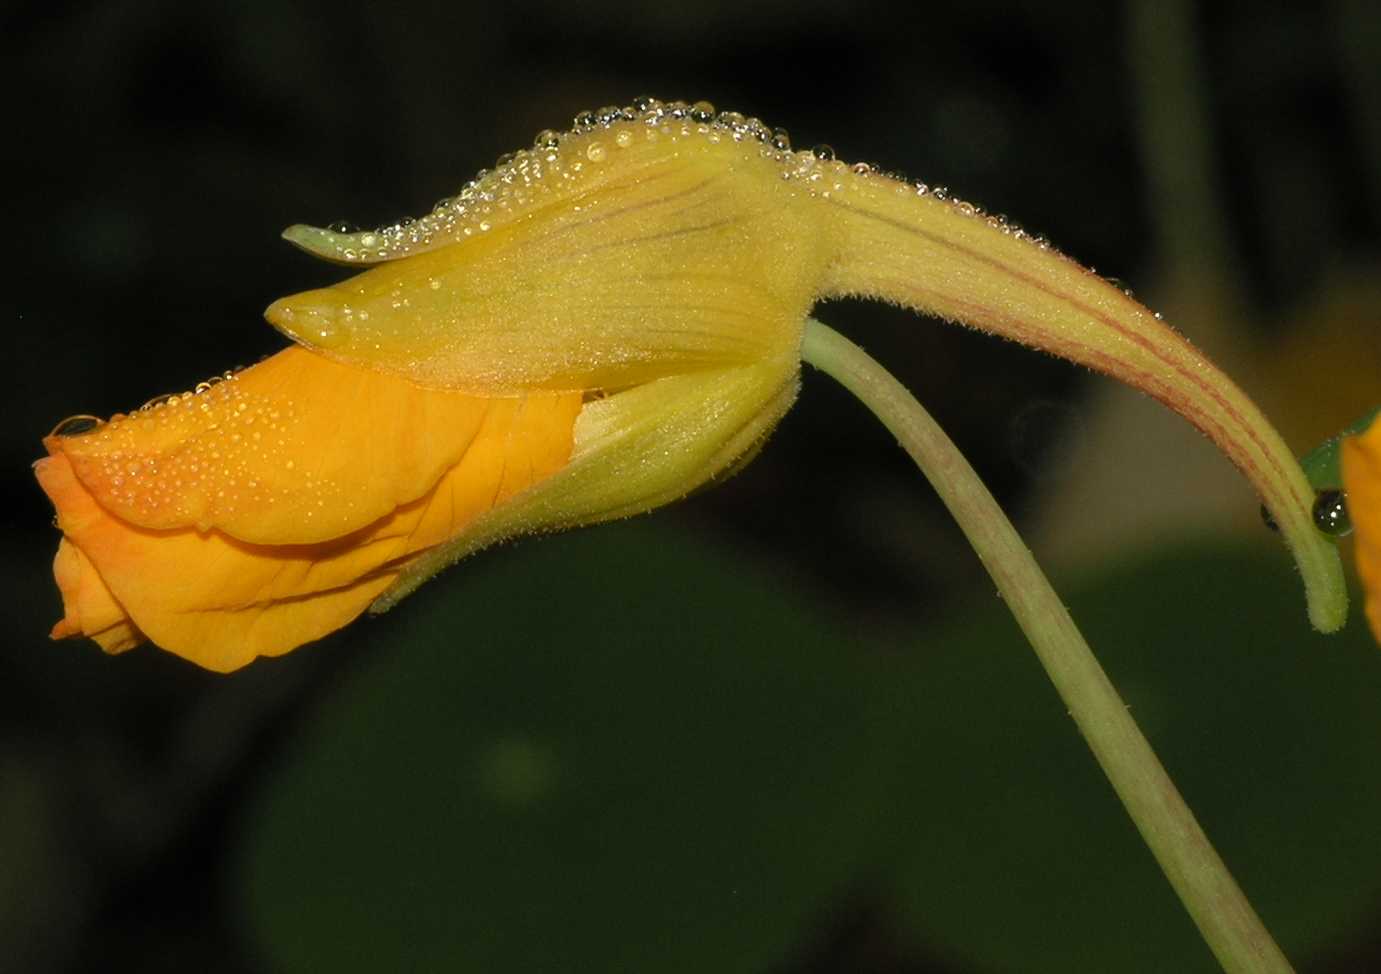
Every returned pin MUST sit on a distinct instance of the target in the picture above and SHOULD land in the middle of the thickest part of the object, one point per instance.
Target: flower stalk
(1217, 905)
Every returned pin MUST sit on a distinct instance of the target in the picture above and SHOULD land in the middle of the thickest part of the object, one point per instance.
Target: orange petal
(1361, 460)
(294, 450)
(220, 602)
(88, 607)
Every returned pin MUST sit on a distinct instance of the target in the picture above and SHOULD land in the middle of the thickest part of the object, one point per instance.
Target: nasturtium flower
(597, 326)
(1361, 478)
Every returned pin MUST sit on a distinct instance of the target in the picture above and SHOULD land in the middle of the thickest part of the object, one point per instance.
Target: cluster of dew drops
(492, 196)
(84, 423)
(242, 432)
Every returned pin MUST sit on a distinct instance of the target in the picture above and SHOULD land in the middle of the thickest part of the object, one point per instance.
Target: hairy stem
(1215, 902)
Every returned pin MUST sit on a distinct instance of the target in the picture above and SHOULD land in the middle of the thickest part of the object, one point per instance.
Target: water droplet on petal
(76, 425)
(158, 402)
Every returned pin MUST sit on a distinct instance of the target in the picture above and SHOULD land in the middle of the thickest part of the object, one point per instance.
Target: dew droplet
(76, 425)
(595, 153)
(823, 152)
(1330, 513)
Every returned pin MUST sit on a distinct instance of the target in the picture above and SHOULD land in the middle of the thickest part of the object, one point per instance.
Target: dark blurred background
(785, 726)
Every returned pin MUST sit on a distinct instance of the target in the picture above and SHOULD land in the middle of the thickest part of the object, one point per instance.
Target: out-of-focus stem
(1176, 136)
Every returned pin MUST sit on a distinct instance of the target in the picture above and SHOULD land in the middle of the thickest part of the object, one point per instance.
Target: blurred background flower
(805, 740)
(1361, 462)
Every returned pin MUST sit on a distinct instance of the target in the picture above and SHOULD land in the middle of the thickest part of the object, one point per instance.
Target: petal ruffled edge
(89, 609)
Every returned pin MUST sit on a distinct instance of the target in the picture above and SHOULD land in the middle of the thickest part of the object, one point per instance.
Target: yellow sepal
(634, 451)
(670, 254)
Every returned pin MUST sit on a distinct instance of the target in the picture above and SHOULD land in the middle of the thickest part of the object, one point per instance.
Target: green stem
(1224, 917)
